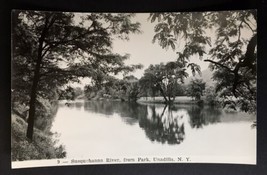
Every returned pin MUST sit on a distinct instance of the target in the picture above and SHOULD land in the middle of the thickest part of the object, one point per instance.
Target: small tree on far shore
(196, 88)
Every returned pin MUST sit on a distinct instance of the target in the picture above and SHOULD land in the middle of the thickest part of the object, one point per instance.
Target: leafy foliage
(126, 89)
(227, 38)
(70, 93)
(51, 49)
(211, 97)
(196, 88)
(164, 78)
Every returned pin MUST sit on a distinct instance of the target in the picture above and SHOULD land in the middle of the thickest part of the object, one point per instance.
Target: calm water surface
(94, 128)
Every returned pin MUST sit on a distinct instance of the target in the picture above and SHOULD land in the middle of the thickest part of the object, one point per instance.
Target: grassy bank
(178, 100)
(42, 146)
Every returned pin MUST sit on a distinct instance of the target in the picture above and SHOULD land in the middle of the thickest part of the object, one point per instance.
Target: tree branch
(249, 26)
(239, 30)
(219, 64)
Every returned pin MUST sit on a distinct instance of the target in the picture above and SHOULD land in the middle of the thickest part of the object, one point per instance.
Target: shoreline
(144, 100)
(160, 100)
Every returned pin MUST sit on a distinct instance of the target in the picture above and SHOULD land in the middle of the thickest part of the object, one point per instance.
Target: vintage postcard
(133, 88)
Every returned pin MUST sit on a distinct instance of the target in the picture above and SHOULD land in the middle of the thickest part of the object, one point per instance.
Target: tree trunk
(170, 100)
(33, 96)
(34, 88)
(162, 93)
(173, 98)
(33, 101)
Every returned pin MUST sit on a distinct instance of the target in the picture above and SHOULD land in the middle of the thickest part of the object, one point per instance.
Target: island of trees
(51, 50)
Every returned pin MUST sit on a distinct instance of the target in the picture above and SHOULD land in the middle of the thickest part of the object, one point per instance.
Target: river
(120, 129)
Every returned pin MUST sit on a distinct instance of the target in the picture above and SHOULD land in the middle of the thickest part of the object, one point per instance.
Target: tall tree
(164, 78)
(227, 39)
(57, 47)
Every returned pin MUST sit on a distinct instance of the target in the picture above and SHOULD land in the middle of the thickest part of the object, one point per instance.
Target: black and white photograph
(133, 88)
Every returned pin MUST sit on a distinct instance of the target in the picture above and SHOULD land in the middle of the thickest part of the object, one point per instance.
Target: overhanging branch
(219, 64)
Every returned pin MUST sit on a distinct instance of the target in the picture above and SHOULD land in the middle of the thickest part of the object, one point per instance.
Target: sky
(142, 50)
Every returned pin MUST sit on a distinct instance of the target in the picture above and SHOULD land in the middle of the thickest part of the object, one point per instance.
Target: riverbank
(42, 146)
(178, 100)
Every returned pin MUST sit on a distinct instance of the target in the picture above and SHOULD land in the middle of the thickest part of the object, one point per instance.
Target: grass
(42, 146)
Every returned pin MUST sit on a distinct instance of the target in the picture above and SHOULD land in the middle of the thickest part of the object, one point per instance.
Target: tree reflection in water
(129, 112)
(203, 115)
(165, 124)
(165, 127)
(103, 107)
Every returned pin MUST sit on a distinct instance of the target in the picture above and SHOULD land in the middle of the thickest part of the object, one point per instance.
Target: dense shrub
(43, 145)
